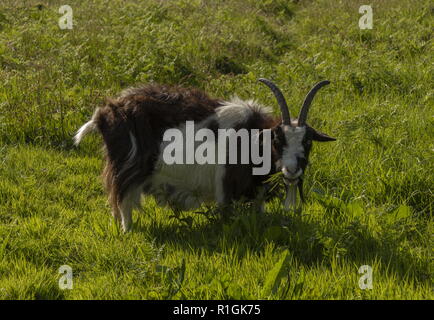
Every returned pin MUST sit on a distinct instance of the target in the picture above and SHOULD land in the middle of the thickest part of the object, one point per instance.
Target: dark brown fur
(145, 112)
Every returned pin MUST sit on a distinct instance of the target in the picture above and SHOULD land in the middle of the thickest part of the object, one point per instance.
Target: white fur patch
(185, 186)
(84, 130)
(294, 148)
(236, 111)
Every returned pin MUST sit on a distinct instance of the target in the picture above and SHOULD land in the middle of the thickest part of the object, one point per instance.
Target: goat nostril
(286, 171)
(289, 173)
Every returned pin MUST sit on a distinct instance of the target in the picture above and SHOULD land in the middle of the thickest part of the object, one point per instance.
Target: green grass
(370, 198)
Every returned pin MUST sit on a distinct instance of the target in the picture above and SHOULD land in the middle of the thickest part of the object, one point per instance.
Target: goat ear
(322, 137)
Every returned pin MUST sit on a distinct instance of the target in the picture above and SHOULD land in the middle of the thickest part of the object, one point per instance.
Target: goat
(133, 127)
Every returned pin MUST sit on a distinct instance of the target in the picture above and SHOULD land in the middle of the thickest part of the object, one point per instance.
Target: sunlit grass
(369, 194)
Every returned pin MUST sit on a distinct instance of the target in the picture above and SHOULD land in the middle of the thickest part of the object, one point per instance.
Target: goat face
(292, 141)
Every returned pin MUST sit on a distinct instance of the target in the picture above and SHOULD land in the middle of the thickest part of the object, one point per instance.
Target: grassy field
(369, 194)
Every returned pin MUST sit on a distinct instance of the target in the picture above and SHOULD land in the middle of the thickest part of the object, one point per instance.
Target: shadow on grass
(311, 242)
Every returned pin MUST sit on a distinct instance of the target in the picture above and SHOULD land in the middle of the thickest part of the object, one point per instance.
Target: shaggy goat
(133, 128)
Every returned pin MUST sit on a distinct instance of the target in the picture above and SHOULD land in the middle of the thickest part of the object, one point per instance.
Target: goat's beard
(292, 202)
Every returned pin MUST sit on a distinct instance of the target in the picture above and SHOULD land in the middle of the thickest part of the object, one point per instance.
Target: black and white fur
(133, 125)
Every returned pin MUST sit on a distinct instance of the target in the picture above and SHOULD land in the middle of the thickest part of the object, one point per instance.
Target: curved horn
(308, 100)
(286, 119)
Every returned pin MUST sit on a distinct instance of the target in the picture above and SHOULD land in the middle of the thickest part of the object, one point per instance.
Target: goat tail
(84, 130)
